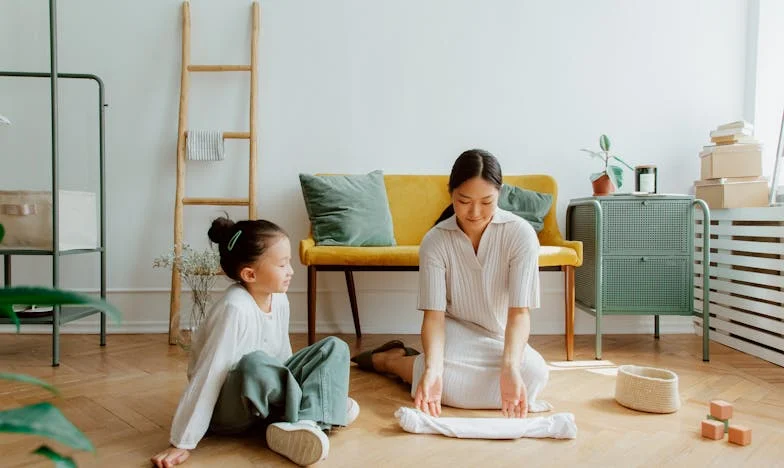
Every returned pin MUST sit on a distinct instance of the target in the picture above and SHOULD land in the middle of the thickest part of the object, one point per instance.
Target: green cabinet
(637, 256)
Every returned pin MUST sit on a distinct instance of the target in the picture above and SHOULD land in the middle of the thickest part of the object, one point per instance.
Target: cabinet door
(638, 227)
(646, 285)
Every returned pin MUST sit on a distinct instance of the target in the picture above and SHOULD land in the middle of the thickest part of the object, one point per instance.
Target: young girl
(241, 370)
(478, 278)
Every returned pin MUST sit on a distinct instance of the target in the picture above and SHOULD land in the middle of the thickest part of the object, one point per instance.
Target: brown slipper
(365, 360)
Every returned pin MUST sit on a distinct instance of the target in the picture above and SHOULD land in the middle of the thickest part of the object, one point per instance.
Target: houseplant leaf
(594, 154)
(8, 311)
(49, 296)
(622, 162)
(44, 420)
(616, 175)
(60, 461)
(604, 143)
(30, 380)
(2, 232)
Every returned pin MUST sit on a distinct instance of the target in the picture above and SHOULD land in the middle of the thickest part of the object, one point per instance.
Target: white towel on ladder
(204, 145)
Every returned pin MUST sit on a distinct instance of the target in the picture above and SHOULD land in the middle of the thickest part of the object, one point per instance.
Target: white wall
(357, 85)
(769, 82)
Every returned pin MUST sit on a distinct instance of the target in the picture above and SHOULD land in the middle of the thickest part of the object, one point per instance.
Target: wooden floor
(123, 397)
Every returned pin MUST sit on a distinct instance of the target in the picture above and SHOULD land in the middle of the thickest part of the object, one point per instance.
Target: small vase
(602, 186)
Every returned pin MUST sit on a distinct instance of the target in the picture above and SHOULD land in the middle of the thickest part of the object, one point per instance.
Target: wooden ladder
(181, 199)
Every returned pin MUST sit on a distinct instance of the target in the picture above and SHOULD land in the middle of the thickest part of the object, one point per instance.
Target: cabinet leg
(598, 334)
(656, 327)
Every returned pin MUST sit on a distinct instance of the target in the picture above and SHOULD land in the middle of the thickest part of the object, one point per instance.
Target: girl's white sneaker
(302, 442)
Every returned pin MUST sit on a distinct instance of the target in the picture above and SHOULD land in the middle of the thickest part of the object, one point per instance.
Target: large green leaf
(616, 175)
(596, 175)
(30, 380)
(49, 296)
(2, 232)
(8, 311)
(60, 461)
(604, 143)
(44, 420)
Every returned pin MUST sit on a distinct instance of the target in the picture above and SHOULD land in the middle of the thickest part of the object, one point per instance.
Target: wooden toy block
(740, 435)
(726, 422)
(721, 409)
(712, 429)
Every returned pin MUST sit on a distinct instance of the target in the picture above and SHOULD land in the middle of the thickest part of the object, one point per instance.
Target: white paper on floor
(557, 426)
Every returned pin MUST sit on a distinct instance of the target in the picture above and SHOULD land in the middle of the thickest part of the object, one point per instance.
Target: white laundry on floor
(557, 426)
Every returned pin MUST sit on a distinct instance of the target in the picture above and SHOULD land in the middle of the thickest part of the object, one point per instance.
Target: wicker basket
(647, 389)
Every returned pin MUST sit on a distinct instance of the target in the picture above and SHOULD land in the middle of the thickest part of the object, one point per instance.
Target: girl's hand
(514, 398)
(170, 457)
(428, 394)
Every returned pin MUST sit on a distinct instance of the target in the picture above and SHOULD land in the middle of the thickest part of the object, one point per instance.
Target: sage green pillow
(527, 204)
(348, 210)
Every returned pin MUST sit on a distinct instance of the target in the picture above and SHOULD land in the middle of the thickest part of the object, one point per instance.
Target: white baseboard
(382, 311)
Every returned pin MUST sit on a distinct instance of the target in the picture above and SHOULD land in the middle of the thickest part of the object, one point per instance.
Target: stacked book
(731, 169)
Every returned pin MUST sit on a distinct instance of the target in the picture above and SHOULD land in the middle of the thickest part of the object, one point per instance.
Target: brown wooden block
(712, 429)
(740, 435)
(721, 409)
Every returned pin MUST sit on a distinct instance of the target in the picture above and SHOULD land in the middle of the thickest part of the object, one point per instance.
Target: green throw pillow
(527, 204)
(348, 209)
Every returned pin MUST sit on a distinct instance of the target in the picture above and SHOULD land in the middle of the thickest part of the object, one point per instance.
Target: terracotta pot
(602, 186)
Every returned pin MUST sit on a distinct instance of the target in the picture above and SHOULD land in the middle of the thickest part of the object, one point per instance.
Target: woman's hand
(514, 399)
(428, 394)
(170, 457)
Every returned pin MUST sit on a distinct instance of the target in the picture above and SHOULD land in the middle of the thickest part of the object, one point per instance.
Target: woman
(479, 277)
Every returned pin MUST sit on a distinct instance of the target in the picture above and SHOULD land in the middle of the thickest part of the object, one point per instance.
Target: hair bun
(221, 230)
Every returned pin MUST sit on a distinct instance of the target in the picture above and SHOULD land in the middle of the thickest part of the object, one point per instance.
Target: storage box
(27, 218)
(731, 161)
(733, 193)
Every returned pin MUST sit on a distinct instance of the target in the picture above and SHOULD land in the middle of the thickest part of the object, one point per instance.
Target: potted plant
(611, 177)
(43, 418)
(200, 270)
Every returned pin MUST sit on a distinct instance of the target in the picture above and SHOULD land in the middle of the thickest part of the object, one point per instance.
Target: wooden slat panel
(750, 348)
(754, 306)
(745, 214)
(743, 289)
(744, 246)
(216, 201)
(742, 275)
(218, 68)
(775, 326)
(727, 229)
(763, 338)
(742, 260)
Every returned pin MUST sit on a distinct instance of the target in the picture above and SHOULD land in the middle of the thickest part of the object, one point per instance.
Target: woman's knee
(254, 360)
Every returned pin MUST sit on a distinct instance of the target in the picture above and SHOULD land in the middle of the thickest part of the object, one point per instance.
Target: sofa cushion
(527, 204)
(348, 210)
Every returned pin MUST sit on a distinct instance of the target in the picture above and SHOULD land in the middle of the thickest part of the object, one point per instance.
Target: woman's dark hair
(470, 164)
(242, 243)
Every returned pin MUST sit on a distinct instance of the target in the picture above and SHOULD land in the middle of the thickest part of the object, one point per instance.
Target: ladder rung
(216, 201)
(218, 68)
(236, 135)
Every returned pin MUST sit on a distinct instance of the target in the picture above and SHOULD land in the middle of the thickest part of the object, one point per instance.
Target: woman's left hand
(514, 399)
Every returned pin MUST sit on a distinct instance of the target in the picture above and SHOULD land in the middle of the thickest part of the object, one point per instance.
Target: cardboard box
(731, 161)
(733, 193)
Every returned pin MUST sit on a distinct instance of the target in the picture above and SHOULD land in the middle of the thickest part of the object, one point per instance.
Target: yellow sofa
(415, 202)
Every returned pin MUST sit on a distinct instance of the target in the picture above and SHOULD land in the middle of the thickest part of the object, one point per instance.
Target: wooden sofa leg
(569, 310)
(352, 297)
(311, 304)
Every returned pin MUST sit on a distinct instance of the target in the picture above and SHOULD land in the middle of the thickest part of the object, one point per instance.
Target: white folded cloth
(557, 426)
(204, 145)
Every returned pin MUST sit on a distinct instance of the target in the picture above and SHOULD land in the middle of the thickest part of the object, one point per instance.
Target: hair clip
(233, 240)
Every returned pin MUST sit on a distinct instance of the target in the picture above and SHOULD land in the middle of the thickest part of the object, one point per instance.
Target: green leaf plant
(43, 419)
(613, 171)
